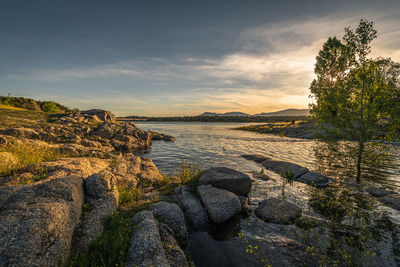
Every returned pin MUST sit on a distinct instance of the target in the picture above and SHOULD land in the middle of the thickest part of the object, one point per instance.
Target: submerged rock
(391, 200)
(228, 179)
(195, 213)
(221, 205)
(285, 168)
(146, 246)
(278, 211)
(377, 192)
(314, 179)
(172, 215)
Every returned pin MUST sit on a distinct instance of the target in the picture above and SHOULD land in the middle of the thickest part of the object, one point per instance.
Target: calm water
(213, 144)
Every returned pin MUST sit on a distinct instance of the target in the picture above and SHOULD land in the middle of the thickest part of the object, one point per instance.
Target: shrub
(49, 106)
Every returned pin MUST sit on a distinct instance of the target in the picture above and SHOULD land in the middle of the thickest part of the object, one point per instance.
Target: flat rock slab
(146, 246)
(195, 213)
(314, 179)
(228, 179)
(391, 200)
(278, 211)
(221, 205)
(283, 167)
(172, 215)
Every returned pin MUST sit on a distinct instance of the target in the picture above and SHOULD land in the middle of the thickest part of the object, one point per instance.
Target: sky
(175, 58)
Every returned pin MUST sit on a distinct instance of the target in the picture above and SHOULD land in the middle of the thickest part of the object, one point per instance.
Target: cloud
(271, 69)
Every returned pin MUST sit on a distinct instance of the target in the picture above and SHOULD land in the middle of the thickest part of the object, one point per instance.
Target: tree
(356, 98)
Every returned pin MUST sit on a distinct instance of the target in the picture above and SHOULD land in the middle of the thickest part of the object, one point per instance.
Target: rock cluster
(291, 170)
(65, 211)
(89, 133)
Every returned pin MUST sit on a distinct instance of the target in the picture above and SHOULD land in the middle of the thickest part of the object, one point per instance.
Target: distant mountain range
(285, 112)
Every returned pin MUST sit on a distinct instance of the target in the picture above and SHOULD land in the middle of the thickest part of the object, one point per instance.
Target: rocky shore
(52, 212)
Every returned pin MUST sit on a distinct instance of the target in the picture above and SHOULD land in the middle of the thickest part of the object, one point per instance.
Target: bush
(49, 106)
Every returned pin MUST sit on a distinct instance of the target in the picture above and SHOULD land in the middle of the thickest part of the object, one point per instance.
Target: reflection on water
(355, 231)
(214, 144)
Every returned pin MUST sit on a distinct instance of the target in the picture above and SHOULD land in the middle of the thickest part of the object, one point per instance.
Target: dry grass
(7, 107)
(26, 154)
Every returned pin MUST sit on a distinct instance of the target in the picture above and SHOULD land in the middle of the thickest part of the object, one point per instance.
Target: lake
(216, 144)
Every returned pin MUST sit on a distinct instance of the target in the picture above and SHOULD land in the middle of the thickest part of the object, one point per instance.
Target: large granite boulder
(105, 130)
(221, 205)
(228, 179)
(104, 115)
(314, 179)
(278, 211)
(195, 213)
(130, 138)
(101, 201)
(174, 254)
(146, 246)
(37, 221)
(172, 215)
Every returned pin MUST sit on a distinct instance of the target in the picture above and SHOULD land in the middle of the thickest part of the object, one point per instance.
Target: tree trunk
(362, 130)
(359, 159)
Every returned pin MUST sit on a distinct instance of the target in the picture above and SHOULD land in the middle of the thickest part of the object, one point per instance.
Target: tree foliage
(356, 97)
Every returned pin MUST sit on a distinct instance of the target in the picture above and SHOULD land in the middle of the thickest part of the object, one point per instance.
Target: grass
(111, 248)
(27, 154)
(20, 118)
(8, 107)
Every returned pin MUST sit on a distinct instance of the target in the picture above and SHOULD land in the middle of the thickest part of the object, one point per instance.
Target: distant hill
(286, 112)
(224, 114)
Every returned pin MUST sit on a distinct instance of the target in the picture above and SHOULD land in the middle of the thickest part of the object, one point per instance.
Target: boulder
(172, 215)
(99, 184)
(221, 205)
(314, 179)
(104, 115)
(228, 179)
(278, 211)
(105, 130)
(101, 202)
(37, 221)
(283, 167)
(146, 246)
(149, 171)
(391, 200)
(195, 213)
(174, 254)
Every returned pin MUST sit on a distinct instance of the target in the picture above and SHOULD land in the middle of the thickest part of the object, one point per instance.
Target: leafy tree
(356, 98)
